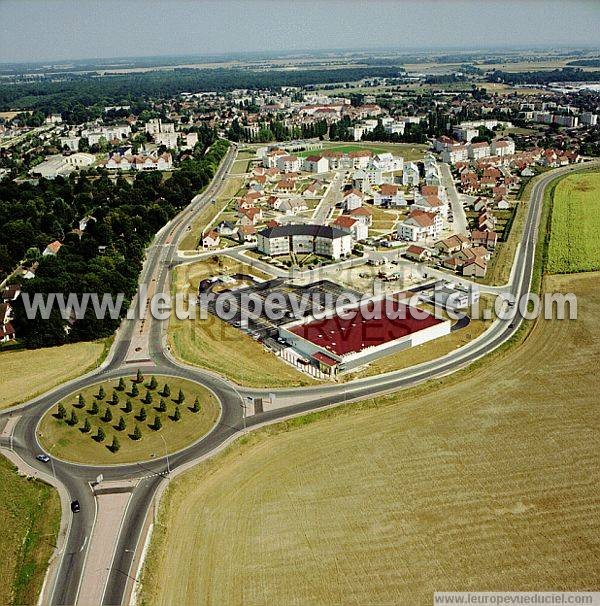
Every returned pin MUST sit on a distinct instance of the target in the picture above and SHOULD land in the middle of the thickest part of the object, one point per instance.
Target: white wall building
(323, 240)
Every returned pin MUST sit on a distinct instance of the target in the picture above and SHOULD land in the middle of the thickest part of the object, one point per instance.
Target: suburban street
(162, 256)
(459, 225)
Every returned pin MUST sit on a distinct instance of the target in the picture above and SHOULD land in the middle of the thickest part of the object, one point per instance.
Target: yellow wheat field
(485, 481)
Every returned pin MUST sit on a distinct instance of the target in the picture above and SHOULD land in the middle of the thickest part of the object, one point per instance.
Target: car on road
(43, 458)
(75, 507)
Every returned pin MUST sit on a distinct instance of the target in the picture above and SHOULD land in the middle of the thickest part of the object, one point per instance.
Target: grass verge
(30, 519)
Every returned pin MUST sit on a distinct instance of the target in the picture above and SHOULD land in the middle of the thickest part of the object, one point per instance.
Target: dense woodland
(76, 92)
(567, 74)
(108, 256)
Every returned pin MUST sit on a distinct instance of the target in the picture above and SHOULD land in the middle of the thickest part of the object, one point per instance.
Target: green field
(27, 373)
(30, 518)
(231, 186)
(68, 441)
(409, 151)
(575, 241)
(485, 480)
(216, 345)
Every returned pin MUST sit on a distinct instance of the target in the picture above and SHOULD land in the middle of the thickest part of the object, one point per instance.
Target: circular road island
(128, 420)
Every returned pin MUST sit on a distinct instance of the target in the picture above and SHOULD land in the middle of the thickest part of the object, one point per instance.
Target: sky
(47, 30)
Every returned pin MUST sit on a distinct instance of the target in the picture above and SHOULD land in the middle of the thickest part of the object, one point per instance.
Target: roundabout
(128, 420)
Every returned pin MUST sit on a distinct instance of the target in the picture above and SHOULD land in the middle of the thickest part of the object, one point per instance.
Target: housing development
(299, 326)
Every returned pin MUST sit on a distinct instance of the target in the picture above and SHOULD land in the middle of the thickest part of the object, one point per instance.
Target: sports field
(486, 480)
(575, 240)
(27, 373)
(29, 517)
(409, 151)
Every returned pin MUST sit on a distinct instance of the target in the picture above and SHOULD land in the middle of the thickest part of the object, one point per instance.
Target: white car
(43, 458)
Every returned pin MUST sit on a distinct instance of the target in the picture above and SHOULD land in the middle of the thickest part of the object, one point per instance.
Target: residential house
(292, 206)
(357, 228)
(389, 195)
(52, 248)
(286, 185)
(363, 214)
(488, 239)
(454, 243)
(417, 253)
(475, 268)
(431, 204)
(419, 225)
(352, 199)
(250, 216)
(210, 239)
(247, 233)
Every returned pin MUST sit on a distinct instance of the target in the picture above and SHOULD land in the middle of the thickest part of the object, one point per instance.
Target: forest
(84, 91)
(108, 255)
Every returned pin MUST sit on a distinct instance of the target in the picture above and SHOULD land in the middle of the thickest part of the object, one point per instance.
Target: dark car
(75, 507)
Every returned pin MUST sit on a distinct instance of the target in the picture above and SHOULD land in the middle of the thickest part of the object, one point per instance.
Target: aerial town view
(298, 302)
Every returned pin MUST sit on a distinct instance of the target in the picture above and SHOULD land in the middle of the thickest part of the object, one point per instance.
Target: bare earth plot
(28, 373)
(483, 481)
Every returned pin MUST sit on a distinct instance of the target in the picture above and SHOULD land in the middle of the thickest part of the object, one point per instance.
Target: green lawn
(575, 242)
(30, 518)
(409, 151)
(69, 442)
(240, 167)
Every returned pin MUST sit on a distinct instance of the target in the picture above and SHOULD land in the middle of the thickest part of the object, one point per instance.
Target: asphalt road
(161, 256)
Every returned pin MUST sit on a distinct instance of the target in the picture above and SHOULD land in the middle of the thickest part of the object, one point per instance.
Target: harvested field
(485, 480)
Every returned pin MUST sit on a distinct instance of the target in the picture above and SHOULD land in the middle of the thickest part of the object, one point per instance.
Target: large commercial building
(345, 339)
(321, 240)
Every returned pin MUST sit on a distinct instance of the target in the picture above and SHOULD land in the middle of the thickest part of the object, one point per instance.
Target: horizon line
(312, 52)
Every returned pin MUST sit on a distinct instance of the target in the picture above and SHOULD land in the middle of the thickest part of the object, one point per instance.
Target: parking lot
(261, 308)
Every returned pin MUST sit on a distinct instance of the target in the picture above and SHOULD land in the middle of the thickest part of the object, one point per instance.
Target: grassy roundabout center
(128, 420)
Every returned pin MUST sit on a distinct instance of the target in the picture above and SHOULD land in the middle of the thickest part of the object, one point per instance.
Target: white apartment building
(479, 150)
(465, 133)
(288, 164)
(387, 162)
(389, 196)
(458, 153)
(502, 147)
(315, 164)
(588, 119)
(323, 240)
(71, 143)
(419, 226)
(410, 174)
(167, 139)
